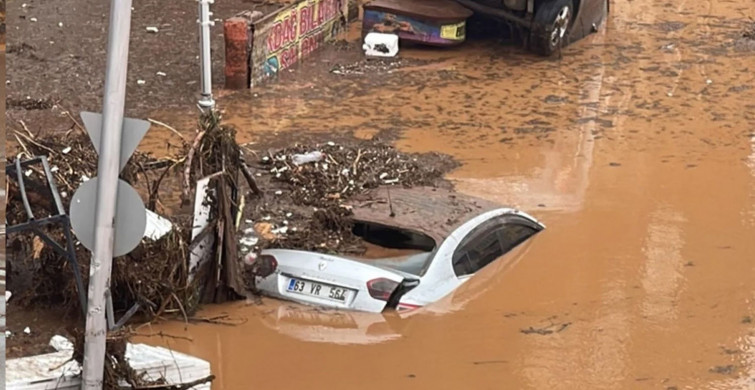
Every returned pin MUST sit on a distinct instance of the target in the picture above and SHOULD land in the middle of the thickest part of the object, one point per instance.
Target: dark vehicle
(548, 24)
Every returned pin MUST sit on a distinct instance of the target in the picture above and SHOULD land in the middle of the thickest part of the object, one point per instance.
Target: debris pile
(304, 205)
(346, 170)
(215, 153)
(72, 161)
(373, 66)
(154, 275)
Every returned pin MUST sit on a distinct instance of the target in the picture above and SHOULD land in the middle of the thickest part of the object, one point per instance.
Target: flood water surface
(636, 149)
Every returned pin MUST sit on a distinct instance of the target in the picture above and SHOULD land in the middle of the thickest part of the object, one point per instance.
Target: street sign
(132, 133)
(130, 217)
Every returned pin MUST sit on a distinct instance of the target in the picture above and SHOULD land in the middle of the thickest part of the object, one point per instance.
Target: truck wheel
(550, 26)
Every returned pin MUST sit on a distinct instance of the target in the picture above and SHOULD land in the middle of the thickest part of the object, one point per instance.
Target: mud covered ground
(636, 149)
(56, 56)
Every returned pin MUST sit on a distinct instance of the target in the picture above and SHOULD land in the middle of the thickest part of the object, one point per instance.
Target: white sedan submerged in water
(469, 234)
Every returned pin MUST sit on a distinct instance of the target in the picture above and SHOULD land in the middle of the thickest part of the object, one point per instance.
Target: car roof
(435, 212)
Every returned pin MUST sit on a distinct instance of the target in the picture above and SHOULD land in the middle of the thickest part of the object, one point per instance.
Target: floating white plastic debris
(28, 172)
(60, 343)
(709, 81)
(54, 169)
(59, 371)
(163, 74)
(300, 159)
(141, 82)
(152, 29)
(8, 333)
(157, 226)
(66, 150)
(331, 143)
(7, 296)
(288, 215)
(249, 239)
(201, 219)
(27, 330)
(33, 19)
(383, 175)
(84, 178)
(279, 192)
(60, 24)
(280, 230)
(380, 45)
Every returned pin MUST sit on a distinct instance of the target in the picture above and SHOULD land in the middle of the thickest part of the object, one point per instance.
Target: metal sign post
(205, 22)
(107, 187)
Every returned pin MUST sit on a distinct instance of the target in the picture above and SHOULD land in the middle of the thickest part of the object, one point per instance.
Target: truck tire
(550, 26)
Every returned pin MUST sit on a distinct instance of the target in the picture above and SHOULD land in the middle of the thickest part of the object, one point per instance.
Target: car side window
(513, 235)
(487, 243)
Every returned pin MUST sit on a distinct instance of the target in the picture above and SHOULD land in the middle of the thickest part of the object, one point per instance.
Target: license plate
(454, 32)
(316, 289)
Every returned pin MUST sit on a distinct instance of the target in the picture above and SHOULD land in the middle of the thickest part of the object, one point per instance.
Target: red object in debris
(237, 44)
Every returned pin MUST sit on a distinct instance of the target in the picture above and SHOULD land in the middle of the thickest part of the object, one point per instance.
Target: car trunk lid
(333, 281)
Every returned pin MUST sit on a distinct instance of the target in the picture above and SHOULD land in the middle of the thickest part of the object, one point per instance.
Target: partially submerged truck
(550, 24)
(546, 25)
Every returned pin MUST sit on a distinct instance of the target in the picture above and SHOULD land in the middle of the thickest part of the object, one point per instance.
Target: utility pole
(108, 169)
(205, 22)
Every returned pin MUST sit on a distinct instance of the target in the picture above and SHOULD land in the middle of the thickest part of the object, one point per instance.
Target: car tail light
(381, 288)
(266, 265)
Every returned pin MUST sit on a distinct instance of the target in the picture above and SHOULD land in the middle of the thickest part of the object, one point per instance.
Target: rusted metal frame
(34, 225)
(22, 190)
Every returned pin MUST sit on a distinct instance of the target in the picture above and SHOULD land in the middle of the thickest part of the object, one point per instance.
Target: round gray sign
(130, 217)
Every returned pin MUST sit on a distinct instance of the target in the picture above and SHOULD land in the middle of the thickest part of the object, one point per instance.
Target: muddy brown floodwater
(637, 149)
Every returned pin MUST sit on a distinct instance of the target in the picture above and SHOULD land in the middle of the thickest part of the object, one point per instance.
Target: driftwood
(250, 179)
(215, 150)
(186, 189)
(184, 386)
